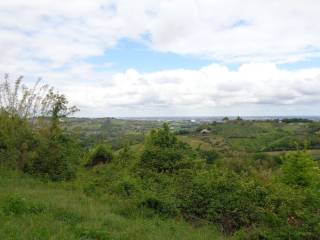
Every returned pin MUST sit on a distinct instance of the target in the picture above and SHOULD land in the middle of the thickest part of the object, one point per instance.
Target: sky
(125, 58)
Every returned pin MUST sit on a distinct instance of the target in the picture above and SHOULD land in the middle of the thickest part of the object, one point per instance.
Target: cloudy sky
(168, 57)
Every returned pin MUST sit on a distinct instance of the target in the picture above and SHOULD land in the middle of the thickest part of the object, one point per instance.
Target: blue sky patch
(133, 54)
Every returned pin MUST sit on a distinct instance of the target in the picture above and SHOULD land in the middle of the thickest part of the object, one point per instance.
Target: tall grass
(33, 209)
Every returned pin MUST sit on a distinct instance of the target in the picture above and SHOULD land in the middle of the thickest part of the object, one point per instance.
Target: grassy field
(31, 209)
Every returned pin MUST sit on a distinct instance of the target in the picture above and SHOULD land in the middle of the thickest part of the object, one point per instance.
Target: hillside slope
(32, 209)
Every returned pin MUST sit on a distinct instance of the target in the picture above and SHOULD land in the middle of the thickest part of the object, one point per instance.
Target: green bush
(100, 154)
(55, 158)
(299, 169)
(223, 198)
(163, 206)
(36, 150)
(17, 205)
(292, 213)
(164, 153)
(16, 141)
(126, 187)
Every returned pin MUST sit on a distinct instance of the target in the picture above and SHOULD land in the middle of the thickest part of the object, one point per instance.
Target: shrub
(126, 187)
(299, 169)
(223, 198)
(101, 154)
(163, 206)
(164, 153)
(16, 141)
(17, 205)
(56, 158)
(292, 213)
(21, 109)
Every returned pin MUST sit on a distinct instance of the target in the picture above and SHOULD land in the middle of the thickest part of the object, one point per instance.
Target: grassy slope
(60, 211)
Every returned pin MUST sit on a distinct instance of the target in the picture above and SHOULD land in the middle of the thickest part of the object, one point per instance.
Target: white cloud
(209, 90)
(252, 89)
(53, 39)
(244, 30)
(60, 32)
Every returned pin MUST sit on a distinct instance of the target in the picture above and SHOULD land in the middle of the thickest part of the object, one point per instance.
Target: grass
(33, 209)
(195, 142)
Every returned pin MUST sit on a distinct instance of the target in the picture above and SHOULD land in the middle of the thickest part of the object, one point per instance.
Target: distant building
(205, 131)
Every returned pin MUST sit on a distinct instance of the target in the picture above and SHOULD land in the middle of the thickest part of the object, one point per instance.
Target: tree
(57, 152)
(45, 149)
(164, 153)
(225, 119)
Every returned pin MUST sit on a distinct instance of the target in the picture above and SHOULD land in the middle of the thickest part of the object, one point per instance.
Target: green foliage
(71, 215)
(100, 154)
(126, 187)
(296, 120)
(292, 213)
(17, 141)
(299, 169)
(266, 161)
(209, 155)
(126, 156)
(30, 141)
(56, 156)
(17, 205)
(223, 198)
(162, 137)
(164, 153)
(164, 206)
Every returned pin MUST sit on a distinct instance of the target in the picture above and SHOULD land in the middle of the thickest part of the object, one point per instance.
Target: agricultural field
(270, 136)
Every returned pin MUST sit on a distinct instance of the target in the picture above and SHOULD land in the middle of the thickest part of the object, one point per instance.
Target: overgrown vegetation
(187, 186)
(31, 137)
